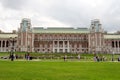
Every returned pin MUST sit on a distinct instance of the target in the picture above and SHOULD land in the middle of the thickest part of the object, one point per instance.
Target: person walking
(12, 57)
(65, 57)
(78, 56)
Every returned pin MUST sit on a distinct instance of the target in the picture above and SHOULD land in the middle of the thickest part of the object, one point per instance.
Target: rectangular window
(113, 44)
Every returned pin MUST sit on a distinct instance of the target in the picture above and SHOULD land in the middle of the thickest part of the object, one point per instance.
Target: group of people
(119, 58)
(28, 57)
(97, 58)
(13, 56)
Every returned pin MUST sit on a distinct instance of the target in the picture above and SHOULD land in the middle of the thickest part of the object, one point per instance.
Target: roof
(59, 30)
(7, 35)
(111, 36)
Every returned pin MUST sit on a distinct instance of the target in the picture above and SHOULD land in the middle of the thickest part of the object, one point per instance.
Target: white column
(68, 46)
(63, 46)
(118, 45)
(10, 45)
(32, 42)
(100, 43)
(2, 46)
(100, 40)
(58, 46)
(96, 40)
(53, 47)
(5, 46)
(114, 46)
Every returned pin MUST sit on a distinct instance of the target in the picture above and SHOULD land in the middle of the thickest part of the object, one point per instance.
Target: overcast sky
(60, 13)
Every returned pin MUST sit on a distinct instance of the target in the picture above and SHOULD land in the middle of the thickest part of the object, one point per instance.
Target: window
(113, 44)
(116, 44)
(119, 44)
(93, 27)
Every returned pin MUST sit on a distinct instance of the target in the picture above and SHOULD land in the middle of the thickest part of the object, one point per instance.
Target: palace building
(60, 39)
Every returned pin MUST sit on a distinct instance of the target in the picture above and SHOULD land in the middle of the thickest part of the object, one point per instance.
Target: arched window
(116, 44)
(0, 43)
(7, 44)
(113, 44)
(119, 44)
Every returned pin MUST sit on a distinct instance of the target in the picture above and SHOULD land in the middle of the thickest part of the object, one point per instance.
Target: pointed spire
(96, 26)
(25, 24)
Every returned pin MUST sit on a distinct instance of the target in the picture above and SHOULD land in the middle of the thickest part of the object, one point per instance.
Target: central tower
(96, 36)
(25, 36)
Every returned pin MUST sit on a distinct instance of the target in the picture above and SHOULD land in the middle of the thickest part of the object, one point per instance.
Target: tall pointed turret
(96, 26)
(96, 39)
(25, 36)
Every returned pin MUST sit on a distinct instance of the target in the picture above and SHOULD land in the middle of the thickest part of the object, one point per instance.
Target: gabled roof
(111, 36)
(59, 30)
(8, 35)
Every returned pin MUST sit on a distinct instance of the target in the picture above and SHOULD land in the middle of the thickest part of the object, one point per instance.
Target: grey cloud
(111, 17)
(77, 13)
(13, 4)
(69, 13)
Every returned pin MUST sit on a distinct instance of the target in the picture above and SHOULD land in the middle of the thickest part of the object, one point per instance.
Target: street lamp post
(12, 40)
(94, 51)
(113, 56)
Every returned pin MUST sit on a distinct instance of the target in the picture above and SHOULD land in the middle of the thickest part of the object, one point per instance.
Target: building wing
(8, 35)
(111, 36)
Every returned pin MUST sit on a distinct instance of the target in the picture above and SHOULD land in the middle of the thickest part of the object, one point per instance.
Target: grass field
(44, 70)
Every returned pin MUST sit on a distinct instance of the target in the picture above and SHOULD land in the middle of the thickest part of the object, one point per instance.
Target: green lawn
(44, 70)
